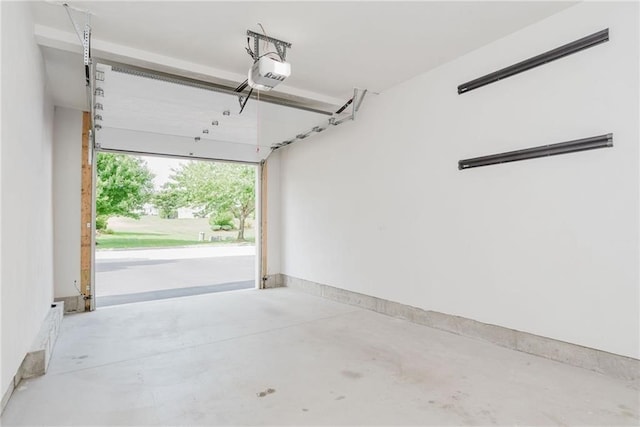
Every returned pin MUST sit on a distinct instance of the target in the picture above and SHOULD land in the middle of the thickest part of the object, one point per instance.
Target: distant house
(149, 209)
(187, 213)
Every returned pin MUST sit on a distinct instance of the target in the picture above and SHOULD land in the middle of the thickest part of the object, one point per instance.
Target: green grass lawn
(155, 232)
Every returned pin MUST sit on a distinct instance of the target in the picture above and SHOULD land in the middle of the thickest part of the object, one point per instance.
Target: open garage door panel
(139, 114)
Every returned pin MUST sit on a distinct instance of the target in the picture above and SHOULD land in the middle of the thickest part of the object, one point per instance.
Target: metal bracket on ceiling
(336, 119)
(90, 74)
(355, 102)
(84, 37)
(86, 45)
(281, 46)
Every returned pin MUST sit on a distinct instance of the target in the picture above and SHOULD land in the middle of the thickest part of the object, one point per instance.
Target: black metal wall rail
(568, 49)
(574, 146)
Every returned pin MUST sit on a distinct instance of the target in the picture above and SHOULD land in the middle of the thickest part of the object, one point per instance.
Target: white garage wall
(547, 246)
(67, 152)
(27, 225)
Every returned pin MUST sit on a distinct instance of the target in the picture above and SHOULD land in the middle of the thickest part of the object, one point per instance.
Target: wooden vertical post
(86, 214)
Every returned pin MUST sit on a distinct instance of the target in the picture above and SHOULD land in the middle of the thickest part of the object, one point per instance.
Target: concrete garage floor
(283, 357)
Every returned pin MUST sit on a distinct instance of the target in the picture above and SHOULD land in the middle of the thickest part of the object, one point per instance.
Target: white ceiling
(336, 45)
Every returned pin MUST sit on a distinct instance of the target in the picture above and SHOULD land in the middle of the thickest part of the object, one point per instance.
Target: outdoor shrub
(222, 220)
(199, 214)
(168, 214)
(101, 222)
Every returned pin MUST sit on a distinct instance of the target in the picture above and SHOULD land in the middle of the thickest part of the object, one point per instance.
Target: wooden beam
(86, 214)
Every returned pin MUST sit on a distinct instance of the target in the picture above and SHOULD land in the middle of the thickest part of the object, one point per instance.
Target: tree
(124, 184)
(218, 188)
(168, 201)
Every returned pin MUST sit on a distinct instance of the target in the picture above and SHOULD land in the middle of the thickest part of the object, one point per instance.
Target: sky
(161, 168)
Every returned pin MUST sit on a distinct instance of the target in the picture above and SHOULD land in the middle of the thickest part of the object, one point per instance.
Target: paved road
(176, 253)
(153, 270)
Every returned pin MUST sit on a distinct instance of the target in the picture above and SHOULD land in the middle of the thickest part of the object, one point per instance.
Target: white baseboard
(36, 361)
(613, 365)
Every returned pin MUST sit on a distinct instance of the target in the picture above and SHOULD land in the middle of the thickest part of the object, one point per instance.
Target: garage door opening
(169, 227)
(140, 112)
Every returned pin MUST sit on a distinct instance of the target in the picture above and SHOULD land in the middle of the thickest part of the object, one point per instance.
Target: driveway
(166, 273)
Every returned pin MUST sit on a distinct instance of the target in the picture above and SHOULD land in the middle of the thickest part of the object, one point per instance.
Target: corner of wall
(274, 208)
(26, 193)
(67, 160)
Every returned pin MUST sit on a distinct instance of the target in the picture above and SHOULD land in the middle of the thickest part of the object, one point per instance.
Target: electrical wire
(279, 59)
(255, 58)
(249, 51)
(266, 43)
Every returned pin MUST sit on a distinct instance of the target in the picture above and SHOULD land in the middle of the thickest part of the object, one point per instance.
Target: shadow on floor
(106, 301)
